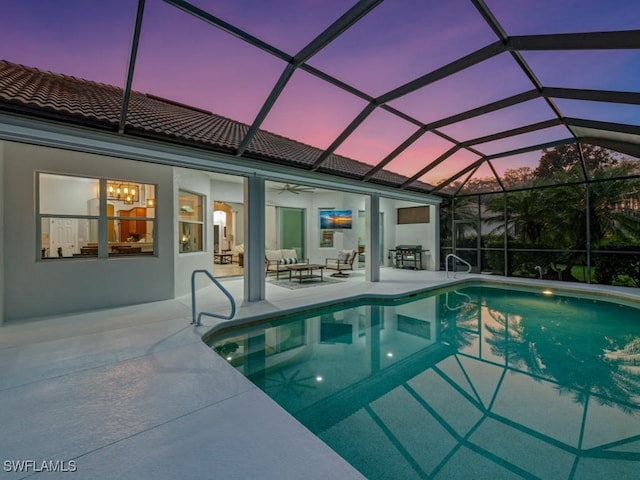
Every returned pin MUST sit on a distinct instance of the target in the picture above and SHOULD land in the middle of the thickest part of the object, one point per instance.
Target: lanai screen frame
(621, 137)
(514, 45)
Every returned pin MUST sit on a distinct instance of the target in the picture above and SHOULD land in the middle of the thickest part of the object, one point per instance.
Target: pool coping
(590, 291)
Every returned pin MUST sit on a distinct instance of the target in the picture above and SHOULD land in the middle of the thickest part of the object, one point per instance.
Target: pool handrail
(455, 257)
(195, 320)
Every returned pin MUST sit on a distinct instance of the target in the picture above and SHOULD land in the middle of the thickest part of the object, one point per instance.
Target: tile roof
(28, 90)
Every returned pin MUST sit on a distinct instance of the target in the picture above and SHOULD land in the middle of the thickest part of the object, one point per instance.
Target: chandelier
(125, 192)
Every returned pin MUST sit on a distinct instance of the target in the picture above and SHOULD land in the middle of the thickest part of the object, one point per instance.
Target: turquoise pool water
(478, 382)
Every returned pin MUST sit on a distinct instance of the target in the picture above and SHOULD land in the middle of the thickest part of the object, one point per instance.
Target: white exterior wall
(342, 239)
(227, 191)
(3, 232)
(200, 183)
(425, 234)
(68, 285)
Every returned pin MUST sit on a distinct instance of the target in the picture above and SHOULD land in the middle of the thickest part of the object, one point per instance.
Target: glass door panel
(291, 230)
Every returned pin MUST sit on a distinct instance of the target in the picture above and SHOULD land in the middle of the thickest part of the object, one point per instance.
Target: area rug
(295, 284)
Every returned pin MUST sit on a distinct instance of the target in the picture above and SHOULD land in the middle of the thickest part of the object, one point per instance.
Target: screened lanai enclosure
(570, 213)
(523, 117)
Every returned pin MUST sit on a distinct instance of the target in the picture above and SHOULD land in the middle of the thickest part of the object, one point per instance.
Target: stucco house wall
(35, 287)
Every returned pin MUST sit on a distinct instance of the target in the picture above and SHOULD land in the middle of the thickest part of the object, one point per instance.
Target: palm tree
(614, 212)
(556, 217)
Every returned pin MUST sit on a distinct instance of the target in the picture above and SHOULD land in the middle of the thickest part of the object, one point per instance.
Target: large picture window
(190, 222)
(90, 217)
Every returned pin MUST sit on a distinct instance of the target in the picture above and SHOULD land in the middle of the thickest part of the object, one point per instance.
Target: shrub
(617, 268)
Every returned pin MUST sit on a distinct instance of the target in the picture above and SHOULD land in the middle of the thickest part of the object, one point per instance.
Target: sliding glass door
(291, 229)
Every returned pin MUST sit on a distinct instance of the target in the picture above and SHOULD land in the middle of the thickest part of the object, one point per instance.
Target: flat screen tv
(335, 219)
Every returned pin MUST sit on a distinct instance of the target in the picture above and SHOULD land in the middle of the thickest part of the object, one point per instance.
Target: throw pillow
(288, 261)
(343, 256)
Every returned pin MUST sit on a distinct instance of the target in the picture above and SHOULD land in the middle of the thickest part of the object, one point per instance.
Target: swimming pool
(476, 382)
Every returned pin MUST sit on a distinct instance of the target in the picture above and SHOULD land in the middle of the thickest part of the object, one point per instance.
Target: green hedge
(523, 264)
(617, 268)
(614, 268)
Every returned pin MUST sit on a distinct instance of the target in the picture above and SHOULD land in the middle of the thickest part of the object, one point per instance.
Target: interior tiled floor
(134, 393)
(221, 270)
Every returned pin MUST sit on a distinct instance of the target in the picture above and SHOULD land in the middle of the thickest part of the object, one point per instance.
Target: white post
(2, 230)
(254, 239)
(372, 225)
(434, 251)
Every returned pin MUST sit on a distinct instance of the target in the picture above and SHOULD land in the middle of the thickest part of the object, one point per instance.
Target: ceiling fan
(294, 189)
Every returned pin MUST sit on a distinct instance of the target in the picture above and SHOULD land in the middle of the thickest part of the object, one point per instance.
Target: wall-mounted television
(335, 219)
(413, 215)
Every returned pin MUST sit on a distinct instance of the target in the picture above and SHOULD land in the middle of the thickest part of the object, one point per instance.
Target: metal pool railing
(455, 257)
(195, 320)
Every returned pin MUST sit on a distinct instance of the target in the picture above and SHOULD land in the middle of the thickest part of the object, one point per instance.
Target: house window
(90, 217)
(190, 222)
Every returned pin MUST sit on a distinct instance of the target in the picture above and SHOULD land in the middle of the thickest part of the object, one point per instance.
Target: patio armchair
(342, 263)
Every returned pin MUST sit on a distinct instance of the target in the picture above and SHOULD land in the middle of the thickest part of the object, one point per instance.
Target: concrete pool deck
(133, 392)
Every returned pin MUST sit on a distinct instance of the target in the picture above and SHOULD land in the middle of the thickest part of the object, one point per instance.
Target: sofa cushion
(273, 255)
(289, 253)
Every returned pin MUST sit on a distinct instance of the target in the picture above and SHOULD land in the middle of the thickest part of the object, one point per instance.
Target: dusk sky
(184, 59)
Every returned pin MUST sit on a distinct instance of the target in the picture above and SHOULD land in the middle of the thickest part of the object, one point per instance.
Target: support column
(506, 235)
(587, 201)
(254, 239)
(372, 226)
(2, 232)
(434, 257)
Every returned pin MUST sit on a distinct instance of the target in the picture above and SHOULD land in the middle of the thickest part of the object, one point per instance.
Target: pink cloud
(312, 111)
(419, 154)
(378, 136)
(186, 60)
(452, 165)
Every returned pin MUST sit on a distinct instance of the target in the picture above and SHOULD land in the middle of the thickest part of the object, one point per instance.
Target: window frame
(101, 218)
(201, 222)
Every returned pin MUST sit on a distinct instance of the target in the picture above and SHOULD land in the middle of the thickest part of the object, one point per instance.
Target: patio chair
(342, 263)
